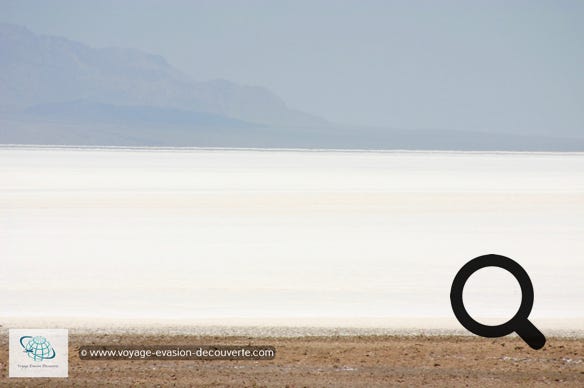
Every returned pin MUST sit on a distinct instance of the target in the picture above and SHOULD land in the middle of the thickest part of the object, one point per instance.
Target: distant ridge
(84, 111)
(40, 69)
(55, 91)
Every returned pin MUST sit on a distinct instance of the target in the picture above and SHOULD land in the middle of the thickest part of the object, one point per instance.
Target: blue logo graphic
(37, 348)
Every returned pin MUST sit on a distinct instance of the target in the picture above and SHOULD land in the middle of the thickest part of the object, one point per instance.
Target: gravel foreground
(341, 361)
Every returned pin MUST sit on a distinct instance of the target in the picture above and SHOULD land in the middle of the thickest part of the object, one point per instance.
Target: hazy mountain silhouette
(84, 112)
(39, 69)
(57, 91)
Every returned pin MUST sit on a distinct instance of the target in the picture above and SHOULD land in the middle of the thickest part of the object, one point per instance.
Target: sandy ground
(331, 361)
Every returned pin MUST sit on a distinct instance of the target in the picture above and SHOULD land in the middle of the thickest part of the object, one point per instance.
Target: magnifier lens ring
(491, 261)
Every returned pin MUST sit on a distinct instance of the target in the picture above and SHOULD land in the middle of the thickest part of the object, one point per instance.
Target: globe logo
(37, 348)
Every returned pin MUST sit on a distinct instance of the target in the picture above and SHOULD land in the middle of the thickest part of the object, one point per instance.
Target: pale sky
(469, 65)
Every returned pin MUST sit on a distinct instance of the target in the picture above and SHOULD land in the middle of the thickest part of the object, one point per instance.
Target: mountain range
(55, 91)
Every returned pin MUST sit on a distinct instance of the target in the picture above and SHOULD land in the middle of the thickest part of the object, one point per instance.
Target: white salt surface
(285, 237)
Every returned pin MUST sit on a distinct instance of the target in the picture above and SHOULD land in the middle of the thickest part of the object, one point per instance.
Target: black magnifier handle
(530, 334)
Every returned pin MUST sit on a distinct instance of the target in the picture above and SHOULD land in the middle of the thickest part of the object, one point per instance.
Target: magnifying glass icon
(519, 323)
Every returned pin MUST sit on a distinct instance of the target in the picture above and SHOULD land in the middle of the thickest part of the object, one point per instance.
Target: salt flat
(286, 236)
